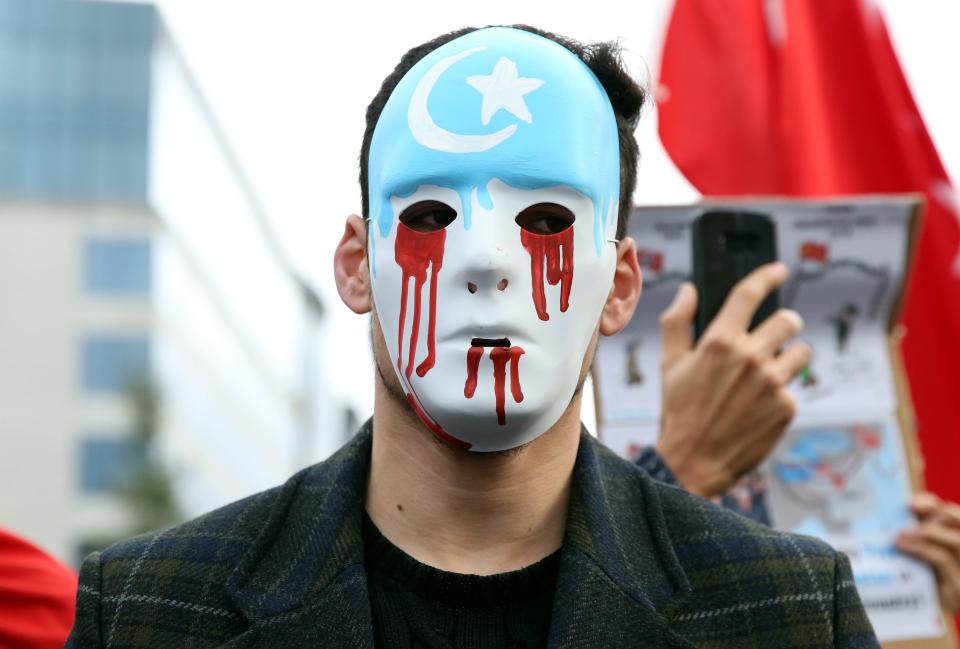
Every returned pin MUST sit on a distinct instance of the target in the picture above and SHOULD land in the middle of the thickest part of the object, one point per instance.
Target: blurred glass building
(136, 259)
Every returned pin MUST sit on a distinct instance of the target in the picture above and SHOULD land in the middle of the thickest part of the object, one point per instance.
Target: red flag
(807, 99)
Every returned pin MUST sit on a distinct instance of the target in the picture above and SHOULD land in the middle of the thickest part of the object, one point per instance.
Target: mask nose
(501, 285)
(487, 270)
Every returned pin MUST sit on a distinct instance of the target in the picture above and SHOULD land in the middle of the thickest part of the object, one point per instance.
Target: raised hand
(725, 401)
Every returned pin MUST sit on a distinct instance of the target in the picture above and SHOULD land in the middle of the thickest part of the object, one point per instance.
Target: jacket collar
(303, 579)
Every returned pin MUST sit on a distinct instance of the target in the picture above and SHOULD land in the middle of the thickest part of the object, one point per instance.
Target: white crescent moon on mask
(426, 132)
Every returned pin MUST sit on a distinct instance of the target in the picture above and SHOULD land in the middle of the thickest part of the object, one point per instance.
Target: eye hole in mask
(428, 216)
(545, 218)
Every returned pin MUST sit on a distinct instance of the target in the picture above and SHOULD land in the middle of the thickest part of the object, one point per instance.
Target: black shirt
(416, 606)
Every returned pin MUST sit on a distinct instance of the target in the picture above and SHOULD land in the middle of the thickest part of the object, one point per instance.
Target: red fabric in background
(37, 596)
(807, 98)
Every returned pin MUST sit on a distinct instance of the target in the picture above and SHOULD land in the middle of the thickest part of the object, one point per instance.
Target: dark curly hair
(626, 96)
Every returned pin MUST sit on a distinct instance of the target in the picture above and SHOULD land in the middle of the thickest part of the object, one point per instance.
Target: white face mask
(492, 252)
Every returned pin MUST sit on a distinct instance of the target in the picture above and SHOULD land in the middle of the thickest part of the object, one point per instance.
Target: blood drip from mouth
(545, 249)
(515, 354)
(499, 357)
(473, 362)
(414, 252)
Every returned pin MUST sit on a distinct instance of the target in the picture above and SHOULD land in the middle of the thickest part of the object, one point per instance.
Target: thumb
(676, 323)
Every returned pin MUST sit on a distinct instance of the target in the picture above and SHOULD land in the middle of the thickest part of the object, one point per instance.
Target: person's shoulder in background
(36, 595)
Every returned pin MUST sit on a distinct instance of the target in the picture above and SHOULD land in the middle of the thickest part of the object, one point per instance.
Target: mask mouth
(490, 342)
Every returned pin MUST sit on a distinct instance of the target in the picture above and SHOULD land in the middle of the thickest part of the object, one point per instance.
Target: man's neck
(477, 513)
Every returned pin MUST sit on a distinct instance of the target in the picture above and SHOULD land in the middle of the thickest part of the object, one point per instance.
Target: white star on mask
(502, 88)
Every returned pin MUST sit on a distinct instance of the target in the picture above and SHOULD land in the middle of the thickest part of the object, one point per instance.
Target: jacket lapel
(619, 575)
(338, 617)
(302, 584)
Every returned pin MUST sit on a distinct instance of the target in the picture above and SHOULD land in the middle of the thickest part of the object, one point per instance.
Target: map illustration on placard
(846, 481)
(838, 479)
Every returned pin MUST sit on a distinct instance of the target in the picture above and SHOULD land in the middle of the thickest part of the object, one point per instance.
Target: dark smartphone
(727, 246)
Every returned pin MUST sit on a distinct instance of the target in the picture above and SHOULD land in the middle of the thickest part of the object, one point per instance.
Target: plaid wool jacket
(643, 564)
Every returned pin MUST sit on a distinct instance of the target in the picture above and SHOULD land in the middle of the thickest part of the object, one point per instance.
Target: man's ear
(625, 292)
(350, 266)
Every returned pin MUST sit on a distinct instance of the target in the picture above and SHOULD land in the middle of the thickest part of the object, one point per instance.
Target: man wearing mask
(473, 510)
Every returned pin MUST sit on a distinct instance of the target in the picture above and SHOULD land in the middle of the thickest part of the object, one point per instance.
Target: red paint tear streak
(415, 326)
(473, 362)
(555, 251)
(499, 357)
(414, 252)
(403, 319)
(431, 358)
(434, 427)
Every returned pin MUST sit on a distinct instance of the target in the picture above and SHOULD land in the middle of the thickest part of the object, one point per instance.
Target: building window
(113, 363)
(107, 464)
(75, 99)
(121, 267)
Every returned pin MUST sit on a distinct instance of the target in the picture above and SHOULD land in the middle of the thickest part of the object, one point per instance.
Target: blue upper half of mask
(431, 130)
